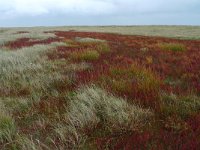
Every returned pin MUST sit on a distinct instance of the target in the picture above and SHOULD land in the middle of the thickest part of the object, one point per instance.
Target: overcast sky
(99, 12)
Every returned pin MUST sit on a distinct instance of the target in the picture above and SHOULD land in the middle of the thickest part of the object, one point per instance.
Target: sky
(98, 12)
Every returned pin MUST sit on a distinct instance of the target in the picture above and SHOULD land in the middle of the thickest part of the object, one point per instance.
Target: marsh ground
(66, 89)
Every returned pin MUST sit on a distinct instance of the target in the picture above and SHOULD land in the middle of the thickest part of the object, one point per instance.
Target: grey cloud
(65, 12)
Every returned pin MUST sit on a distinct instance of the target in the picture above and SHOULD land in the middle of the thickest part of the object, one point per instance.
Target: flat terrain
(72, 88)
(181, 32)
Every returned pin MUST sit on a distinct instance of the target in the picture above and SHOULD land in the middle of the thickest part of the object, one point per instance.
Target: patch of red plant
(26, 42)
(167, 64)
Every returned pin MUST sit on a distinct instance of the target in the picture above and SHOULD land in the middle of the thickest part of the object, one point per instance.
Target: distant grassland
(182, 32)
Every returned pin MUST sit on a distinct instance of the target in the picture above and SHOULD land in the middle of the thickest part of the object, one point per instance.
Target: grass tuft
(91, 105)
(86, 55)
(176, 47)
(103, 47)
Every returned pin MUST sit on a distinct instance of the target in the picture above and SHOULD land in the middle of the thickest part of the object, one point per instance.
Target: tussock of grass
(176, 47)
(26, 70)
(147, 81)
(85, 55)
(103, 47)
(91, 105)
(180, 105)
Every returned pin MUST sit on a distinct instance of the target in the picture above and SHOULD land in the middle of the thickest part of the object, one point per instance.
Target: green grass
(103, 47)
(182, 106)
(145, 80)
(176, 47)
(87, 55)
(7, 125)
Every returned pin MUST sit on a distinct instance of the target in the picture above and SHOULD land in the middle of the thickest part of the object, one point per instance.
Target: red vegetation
(138, 69)
(168, 65)
(161, 139)
(26, 42)
(166, 71)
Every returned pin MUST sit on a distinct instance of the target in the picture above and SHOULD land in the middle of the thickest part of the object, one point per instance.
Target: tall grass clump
(176, 47)
(146, 80)
(91, 105)
(26, 70)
